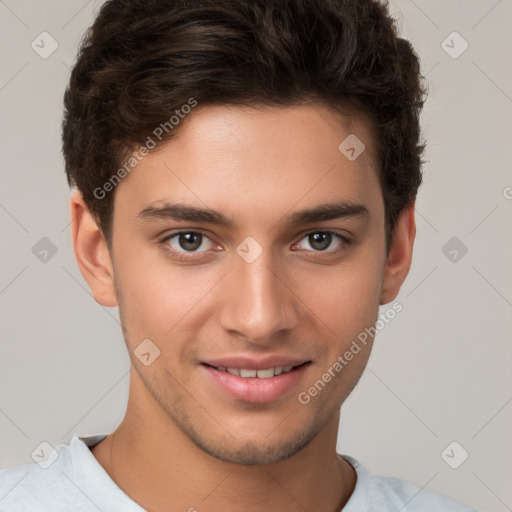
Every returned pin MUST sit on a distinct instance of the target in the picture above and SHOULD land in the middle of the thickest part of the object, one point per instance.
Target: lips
(251, 380)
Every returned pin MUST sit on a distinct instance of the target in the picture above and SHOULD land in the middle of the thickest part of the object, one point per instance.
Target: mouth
(256, 385)
(248, 373)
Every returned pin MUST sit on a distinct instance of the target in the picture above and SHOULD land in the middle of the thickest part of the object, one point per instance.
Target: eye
(321, 241)
(187, 242)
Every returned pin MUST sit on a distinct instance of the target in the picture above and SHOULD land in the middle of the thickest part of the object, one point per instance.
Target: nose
(257, 302)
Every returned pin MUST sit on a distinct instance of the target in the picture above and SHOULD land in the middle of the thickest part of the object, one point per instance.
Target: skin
(184, 444)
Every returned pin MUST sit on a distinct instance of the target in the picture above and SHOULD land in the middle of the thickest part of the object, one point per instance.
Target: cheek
(345, 298)
(156, 297)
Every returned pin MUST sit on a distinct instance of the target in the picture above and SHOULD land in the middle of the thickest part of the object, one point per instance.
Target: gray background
(440, 371)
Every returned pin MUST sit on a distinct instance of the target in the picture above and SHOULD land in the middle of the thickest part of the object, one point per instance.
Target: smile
(256, 385)
(260, 374)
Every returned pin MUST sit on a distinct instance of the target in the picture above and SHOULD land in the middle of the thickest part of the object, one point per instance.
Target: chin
(253, 452)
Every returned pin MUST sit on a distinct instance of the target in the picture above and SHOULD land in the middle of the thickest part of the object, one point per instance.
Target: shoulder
(46, 486)
(66, 478)
(383, 493)
(26, 486)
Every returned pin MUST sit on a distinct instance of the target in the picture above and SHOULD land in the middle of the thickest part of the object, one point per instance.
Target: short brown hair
(142, 60)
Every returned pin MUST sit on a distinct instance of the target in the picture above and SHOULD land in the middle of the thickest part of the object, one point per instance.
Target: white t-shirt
(75, 481)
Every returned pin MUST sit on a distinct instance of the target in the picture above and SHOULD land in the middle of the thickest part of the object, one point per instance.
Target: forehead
(247, 159)
(269, 133)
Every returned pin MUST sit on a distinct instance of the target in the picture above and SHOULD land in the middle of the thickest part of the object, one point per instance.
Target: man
(245, 180)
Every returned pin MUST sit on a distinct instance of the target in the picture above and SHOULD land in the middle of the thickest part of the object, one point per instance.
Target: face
(225, 255)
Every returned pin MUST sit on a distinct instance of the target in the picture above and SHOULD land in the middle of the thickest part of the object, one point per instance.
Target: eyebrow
(184, 212)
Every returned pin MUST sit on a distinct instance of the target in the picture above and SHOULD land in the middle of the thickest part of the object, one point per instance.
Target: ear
(399, 258)
(91, 252)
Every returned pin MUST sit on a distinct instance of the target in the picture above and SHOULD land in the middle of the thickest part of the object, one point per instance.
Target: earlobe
(399, 257)
(91, 252)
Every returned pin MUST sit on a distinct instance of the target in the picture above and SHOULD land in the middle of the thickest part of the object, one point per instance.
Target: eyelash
(192, 256)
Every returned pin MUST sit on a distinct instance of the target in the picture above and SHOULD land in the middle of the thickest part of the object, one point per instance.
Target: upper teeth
(261, 374)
